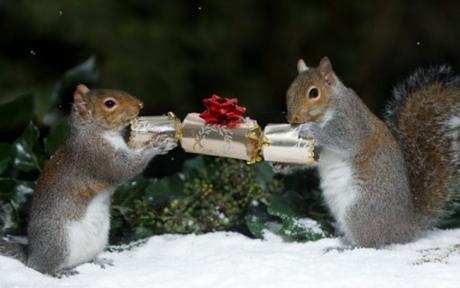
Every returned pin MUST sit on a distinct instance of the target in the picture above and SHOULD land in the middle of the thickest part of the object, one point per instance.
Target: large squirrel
(70, 213)
(383, 182)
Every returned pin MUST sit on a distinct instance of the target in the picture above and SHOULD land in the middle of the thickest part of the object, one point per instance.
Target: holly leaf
(162, 191)
(14, 195)
(195, 168)
(302, 229)
(84, 73)
(453, 218)
(128, 192)
(56, 137)
(16, 191)
(263, 174)
(288, 204)
(5, 157)
(16, 112)
(27, 152)
(256, 221)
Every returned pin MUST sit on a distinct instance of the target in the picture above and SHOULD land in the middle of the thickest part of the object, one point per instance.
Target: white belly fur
(339, 189)
(88, 236)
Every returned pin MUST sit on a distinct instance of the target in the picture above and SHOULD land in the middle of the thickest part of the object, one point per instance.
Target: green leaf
(256, 221)
(128, 192)
(56, 137)
(14, 195)
(5, 157)
(255, 226)
(302, 229)
(16, 112)
(264, 174)
(288, 204)
(141, 232)
(195, 167)
(12, 190)
(453, 218)
(84, 73)
(162, 191)
(27, 152)
(7, 218)
(302, 181)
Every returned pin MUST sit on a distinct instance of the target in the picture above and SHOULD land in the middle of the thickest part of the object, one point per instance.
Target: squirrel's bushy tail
(424, 116)
(11, 249)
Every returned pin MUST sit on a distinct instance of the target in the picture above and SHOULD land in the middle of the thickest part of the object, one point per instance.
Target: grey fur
(382, 213)
(86, 160)
(443, 75)
(344, 105)
(453, 132)
(420, 78)
(386, 210)
(442, 107)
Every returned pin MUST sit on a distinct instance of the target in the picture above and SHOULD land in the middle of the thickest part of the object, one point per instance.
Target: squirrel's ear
(301, 66)
(80, 100)
(325, 68)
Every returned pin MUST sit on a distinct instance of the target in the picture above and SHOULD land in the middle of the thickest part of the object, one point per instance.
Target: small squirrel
(70, 212)
(383, 182)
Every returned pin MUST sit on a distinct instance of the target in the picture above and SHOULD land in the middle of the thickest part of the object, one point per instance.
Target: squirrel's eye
(110, 103)
(313, 93)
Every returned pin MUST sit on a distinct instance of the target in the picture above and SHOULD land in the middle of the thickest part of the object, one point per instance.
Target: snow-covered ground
(232, 260)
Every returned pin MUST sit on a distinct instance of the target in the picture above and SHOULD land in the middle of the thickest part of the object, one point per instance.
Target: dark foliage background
(172, 54)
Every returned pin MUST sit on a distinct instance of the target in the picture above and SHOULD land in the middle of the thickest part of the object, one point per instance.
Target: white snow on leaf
(5, 217)
(231, 260)
(309, 224)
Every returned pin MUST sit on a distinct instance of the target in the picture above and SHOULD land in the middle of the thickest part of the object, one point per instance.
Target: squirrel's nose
(293, 118)
(141, 105)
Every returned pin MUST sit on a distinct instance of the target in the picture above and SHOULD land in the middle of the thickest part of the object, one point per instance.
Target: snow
(232, 260)
(309, 225)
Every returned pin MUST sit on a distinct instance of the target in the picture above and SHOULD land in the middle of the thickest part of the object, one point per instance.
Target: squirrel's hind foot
(65, 273)
(338, 249)
(102, 262)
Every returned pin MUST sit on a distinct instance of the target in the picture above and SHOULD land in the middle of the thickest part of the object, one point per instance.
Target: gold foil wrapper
(277, 143)
(145, 128)
(283, 144)
(242, 142)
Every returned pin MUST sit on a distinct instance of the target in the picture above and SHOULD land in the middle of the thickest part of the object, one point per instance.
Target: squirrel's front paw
(309, 131)
(286, 169)
(162, 144)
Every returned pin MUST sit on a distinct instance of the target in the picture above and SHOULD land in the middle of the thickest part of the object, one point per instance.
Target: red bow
(222, 111)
